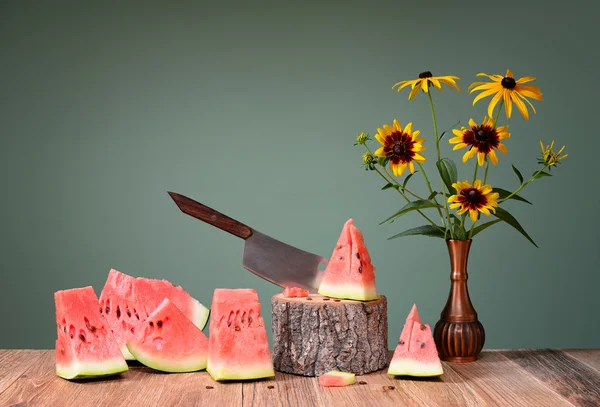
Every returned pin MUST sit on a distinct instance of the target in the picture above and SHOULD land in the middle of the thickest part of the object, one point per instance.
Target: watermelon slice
(295, 292)
(238, 345)
(126, 302)
(337, 379)
(349, 273)
(85, 347)
(169, 341)
(416, 353)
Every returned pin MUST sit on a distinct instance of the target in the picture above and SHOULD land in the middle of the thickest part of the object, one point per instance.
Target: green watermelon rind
(91, 370)
(240, 373)
(346, 291)
(411, 367)
(201, 315)
(190, 364)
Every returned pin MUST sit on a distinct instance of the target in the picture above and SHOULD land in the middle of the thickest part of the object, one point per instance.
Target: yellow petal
(459, 146)
(507, 103)
(408, 128)
(449, 82)
(485, 211)
(418, 148)
(480, 158)
(413, 92)
(397, 125)
(474, 85)
(520, 105)
(381, 132)
(388, 129)
(477, 184)
(502, 128)
(485, 94)
(425, 85)
(436, 83)
(493, 157)
(493, 103)
(472, 123)
(455, 205)
(419, 157)
(470, 153)
(542, 145)
(493, 196)
(379, 152)
(529, 91)
(502, 147)
(411, 167)
(403, 84)
(525, 79)
(503, 135)
(380, 138)
(486, 189)
(400, 169)
(452, 198)
(474, 214)
(509, 74)
(528, 102)
(463, 210)
(455, 140)
(457, 132)
(416, 134)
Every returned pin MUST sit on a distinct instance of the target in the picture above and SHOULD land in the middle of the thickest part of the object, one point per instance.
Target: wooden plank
(286, 390)
(573, 380)
(498, 381)
(14, 363)
(198, 389)
(590, 357)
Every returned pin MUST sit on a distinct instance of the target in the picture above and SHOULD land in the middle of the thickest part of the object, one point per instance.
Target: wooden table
(514, 378)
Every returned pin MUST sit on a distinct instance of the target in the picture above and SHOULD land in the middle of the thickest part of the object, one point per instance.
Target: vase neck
(458, 306)
(459, 256)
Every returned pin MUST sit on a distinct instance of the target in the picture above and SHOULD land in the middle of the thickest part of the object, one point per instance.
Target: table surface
(515, 378)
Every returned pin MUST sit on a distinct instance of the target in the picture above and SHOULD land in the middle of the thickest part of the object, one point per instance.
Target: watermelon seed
(62, 350)
(72, 331)
(118, 312)
(107, 310)
(357, 255)
(360, 269)
(65, 329)
(151, 323)
(422, 345)
(82, 336)
(137, 316)
(336, 300)
(270, 387)
(159, 324)
(249, 320)
(401, 342)
(422, 327)
(339, 247)
(237, 328)
(341, 257)
(209, 387)
(128, 313)
(362, 382)
(325, 299)
(101, 310)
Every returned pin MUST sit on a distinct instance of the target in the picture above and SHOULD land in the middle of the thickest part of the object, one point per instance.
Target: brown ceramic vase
(459, 336)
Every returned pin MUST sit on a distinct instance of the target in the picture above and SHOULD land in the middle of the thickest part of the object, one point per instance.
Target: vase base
(459, 359)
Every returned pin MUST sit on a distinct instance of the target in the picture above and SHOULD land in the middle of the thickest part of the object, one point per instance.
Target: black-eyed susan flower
(482, 140)
(402, 147)
(549, 156)
(508, 89)
(425, 80)
(473, 198)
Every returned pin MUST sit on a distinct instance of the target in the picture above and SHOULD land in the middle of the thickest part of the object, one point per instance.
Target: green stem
(487, 166)
(471, 231)
(498, 112)
(476, 168)
(431, 192)
(437, 147)
(525, 183)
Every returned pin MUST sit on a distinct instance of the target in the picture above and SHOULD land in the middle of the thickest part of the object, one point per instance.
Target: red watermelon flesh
(85, 347)
(168, 341)
(126, 302)
(295, 292)
(335, 378)
(238, 344)
(416, 353)
(350, 273)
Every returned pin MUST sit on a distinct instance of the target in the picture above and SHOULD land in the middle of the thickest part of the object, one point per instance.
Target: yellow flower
(473, 198)
(508, 88)
(549, 157)
(482, 139)
(424, 81)
(401, 146)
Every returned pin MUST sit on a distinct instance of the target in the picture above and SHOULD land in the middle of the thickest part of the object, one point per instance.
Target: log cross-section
(316, 334)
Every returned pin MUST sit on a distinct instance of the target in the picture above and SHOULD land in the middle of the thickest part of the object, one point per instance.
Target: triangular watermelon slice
(416, 353)
(169, 341)
(85, 347)
(127, 301)
(349, 273)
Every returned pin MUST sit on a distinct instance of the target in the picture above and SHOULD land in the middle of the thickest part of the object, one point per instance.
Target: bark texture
(316, 335)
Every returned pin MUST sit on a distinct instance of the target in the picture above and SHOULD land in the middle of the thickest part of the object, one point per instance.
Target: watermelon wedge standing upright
(238, 346)
(168, 341)
(85, 347)
(350, 273)
(416, 353)
(127, 301)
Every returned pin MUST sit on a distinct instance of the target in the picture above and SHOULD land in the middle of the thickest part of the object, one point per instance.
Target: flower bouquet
(459, 335)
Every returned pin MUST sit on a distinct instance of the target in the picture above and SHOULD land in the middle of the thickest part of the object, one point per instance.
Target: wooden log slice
(316, 334)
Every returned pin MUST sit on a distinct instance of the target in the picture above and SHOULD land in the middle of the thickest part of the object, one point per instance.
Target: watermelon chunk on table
(85, 346)
(350, 273)
(416, 353)
(238, 346)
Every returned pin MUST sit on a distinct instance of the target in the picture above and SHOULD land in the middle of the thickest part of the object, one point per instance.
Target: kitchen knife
(268, 258)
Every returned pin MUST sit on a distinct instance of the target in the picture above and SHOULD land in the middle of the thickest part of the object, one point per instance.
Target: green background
(252, 108)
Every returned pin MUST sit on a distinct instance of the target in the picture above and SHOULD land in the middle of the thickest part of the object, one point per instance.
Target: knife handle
(210, 216)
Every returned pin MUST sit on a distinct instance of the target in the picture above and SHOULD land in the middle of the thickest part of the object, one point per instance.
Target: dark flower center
(473, 197)
(399, 149)
(425, 74)
(481, 135)
(508, 83)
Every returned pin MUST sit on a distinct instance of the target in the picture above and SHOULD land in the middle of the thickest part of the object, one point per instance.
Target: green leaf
(450, 128)
(407, 178)
(484, 226)
(448, 172)
(387, 186)
(518, 174)
(383, 161)
(504, 193)
(541, 174)
(433, 195)
(411, 206)
(425, 230)
(508, 218)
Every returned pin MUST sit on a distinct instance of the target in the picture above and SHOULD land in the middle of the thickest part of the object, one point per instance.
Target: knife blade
(264, 256)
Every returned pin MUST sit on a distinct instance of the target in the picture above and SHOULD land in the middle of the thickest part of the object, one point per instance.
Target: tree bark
(314, 335)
